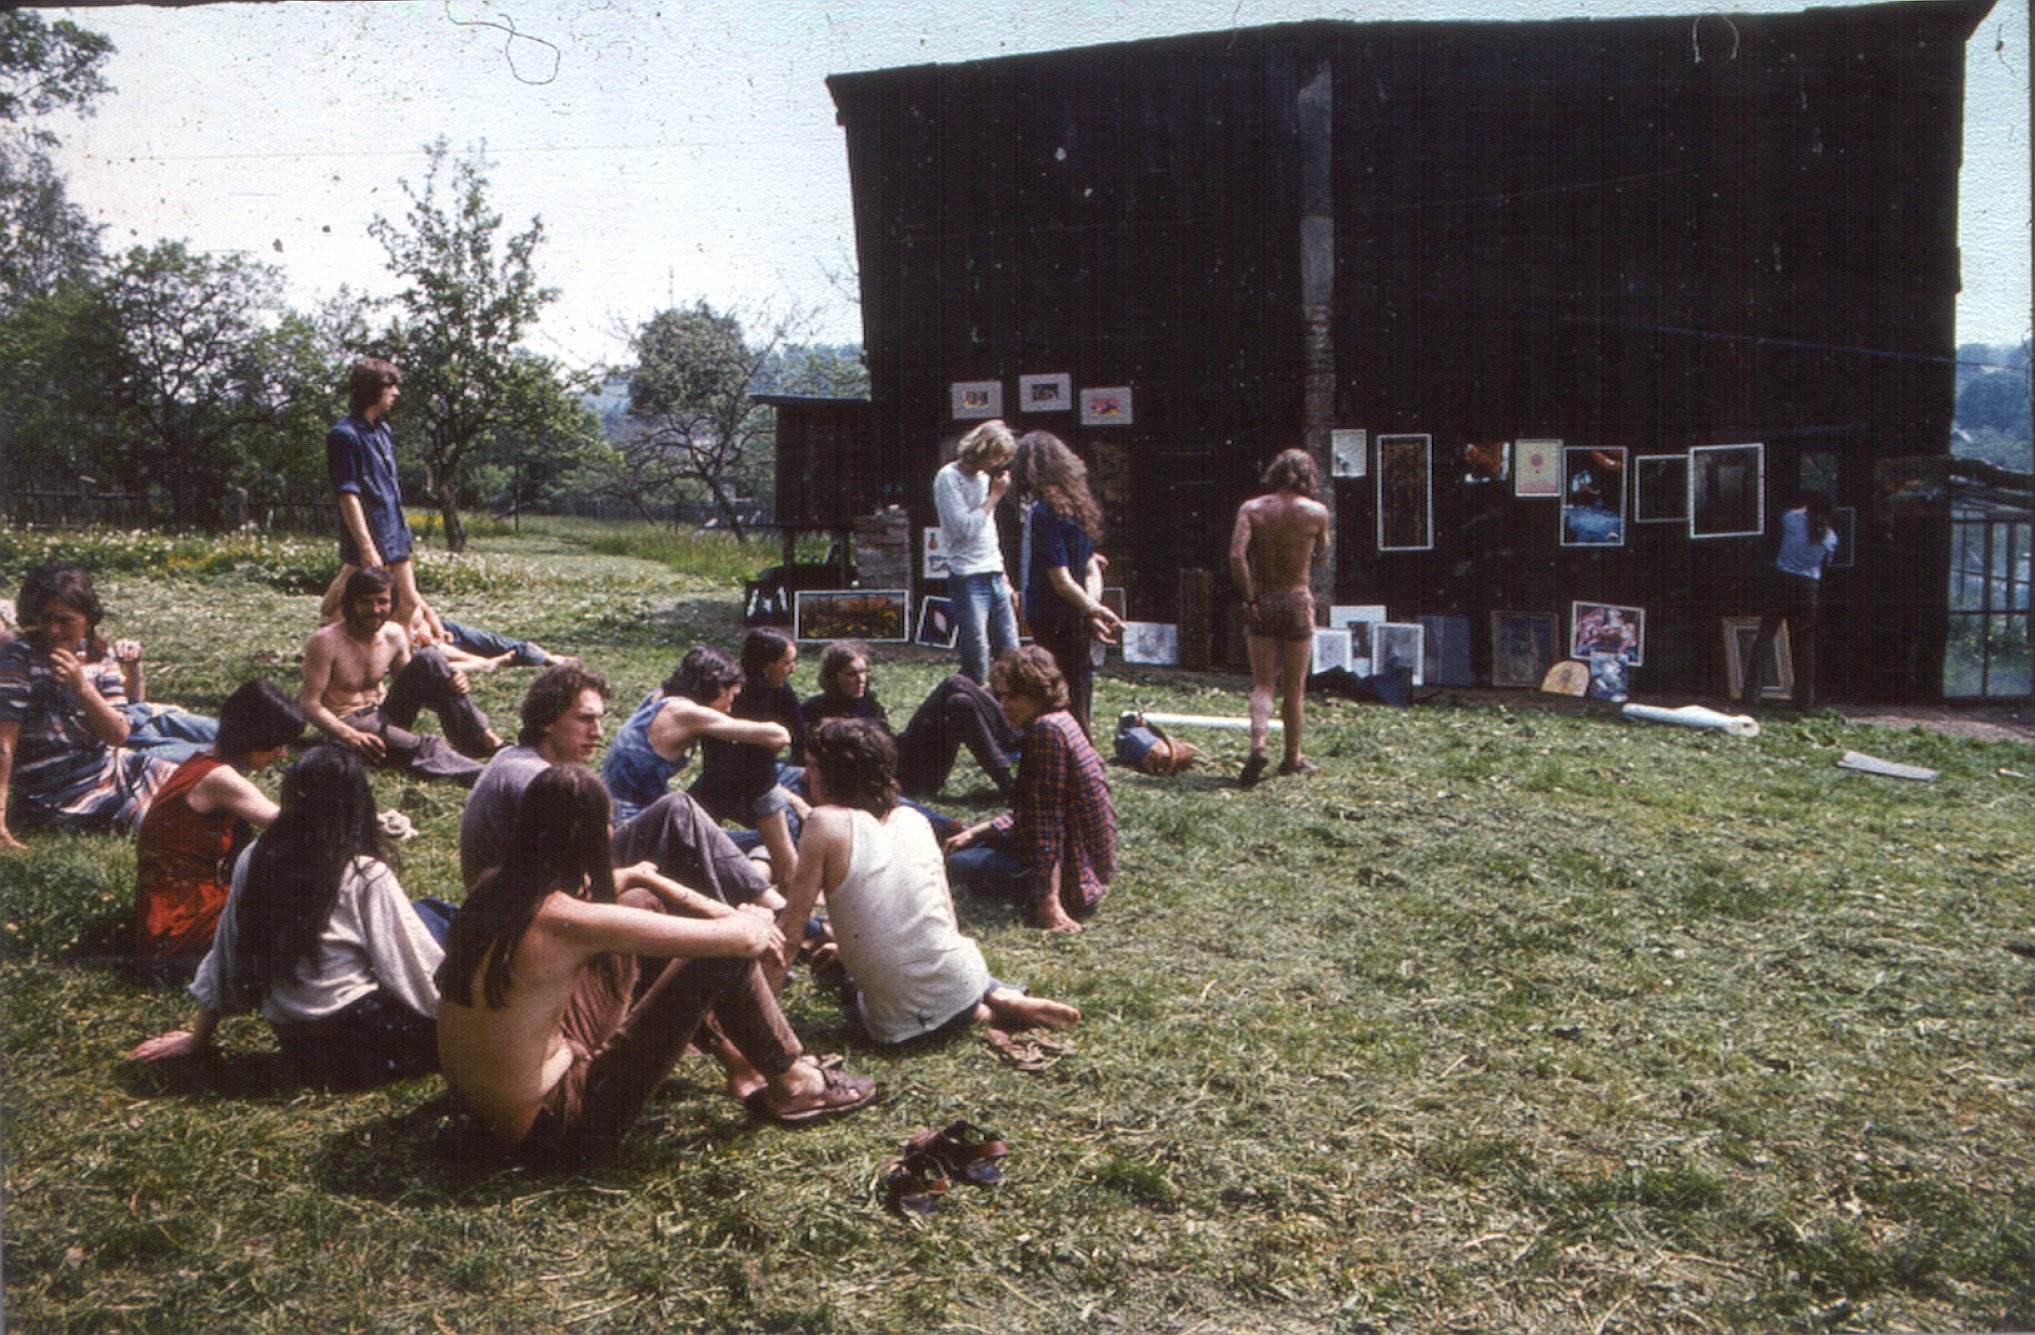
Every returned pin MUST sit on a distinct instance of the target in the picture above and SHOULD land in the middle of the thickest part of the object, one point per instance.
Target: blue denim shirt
(360, 457)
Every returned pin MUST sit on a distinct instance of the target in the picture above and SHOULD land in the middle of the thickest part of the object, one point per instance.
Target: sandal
(840, 1094)
(914, 1184)
(966, 1151)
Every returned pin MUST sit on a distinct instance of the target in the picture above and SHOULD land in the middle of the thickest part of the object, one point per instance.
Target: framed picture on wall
(1523, 646)
(1045, 393)
(976, 398)
(1593, 497)
(1727, 491)
(1106, 407)
(1536, 468)
(1660, 488)
(1349, 453)
(1405, 494)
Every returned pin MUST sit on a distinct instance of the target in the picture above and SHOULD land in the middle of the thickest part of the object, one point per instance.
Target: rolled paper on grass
(1696, 716)
(1209, 721)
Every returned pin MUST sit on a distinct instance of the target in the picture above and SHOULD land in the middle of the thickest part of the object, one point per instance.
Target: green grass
(1513, 1019)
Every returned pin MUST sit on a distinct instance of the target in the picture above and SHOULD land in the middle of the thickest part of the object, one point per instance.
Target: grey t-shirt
(491, 809)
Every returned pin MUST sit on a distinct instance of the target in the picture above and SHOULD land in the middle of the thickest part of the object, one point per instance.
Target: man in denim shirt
(360, 458)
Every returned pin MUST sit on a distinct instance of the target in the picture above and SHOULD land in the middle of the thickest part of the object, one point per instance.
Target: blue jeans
(168, 732)
(984, 623)
(490, 644)
(990, 865)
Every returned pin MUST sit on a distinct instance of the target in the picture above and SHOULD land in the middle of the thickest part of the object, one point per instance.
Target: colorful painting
(1106, 407)
(1523, 645)
(1609, 674)
(852, 614)
(1776, 675)
(1536, 468)
(1349, 453)
(1593, 497)
(1727, 491)
(1405, 494)
(977, 398)
(1487, 461)
(1660, 489)
(1607, 628)
(933, 553)
(1045, 393)
(936, 623)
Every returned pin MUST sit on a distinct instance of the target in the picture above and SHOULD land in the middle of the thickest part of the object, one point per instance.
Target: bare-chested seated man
(543, 1032)
(344, 664)
(1278, 540)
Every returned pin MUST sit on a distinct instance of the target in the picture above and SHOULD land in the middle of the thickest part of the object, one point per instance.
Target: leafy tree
(834, 371)
(44, 68)
(1997, 400)
(472, 294)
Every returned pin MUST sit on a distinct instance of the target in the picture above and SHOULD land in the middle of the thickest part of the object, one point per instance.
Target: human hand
(367, 743)
(756, 928)
(459, 682)
(959, 840)
(999, 483)
(127, 651)
(163, 1047)
(66, 669)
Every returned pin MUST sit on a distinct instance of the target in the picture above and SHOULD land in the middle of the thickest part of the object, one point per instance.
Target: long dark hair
(257, 716)
(327, 819)
(702, 675)
(1045, 468)
(558, 841)
(64, 582)
(1818, 506)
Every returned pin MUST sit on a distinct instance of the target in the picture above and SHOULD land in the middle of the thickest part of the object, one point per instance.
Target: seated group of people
(606, 927)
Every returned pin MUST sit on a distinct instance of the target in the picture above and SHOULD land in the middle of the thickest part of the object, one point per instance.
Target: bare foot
(1049, 914)
(1019, 1011)
(744, 1080)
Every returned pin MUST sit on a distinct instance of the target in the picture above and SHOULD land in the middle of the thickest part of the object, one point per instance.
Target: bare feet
(1019, 1011)
(810, 1092)
(1052, 916)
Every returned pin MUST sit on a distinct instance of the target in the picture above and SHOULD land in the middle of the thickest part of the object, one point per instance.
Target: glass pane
(2007, 672)
(1964, 657)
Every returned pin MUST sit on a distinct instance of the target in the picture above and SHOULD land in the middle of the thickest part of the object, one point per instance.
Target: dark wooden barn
(1638, 235)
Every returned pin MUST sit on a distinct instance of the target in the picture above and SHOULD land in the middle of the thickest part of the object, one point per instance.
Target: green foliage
(45, 240)
(1997, 401)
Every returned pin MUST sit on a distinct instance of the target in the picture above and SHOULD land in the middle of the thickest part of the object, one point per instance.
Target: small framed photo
(1487, 461)
(1844, 522)
(1045, 393)
(1331, 650)
(976, 398)
(1609, 675)
(936, 623)
(1727, 491)
(1349, 453)
(1536, 468)
(1357, 619)
(1593, 497)
(1524, 645)
(1405, 493)
(1396, 645)
(1607, 628)
(1776, 675)
(1660, 488)
(852, 614)
(932, 553)
(1106, 407)
(1156, 643)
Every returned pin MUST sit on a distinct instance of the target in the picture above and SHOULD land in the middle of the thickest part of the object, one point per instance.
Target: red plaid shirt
(1061, 811)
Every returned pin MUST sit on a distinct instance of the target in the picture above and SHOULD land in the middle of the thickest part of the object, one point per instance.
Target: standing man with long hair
(966, 493)
(1278, 540)
(1062, 577)
(360, 459)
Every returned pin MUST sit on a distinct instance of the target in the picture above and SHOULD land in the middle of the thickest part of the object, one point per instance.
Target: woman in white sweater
(318, 935)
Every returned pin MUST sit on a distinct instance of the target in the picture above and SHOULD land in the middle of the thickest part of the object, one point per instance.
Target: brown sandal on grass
(840, 1094)
(914, 1184)
(966, 1151)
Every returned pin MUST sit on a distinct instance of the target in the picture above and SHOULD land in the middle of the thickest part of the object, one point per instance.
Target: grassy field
(1515, 1019)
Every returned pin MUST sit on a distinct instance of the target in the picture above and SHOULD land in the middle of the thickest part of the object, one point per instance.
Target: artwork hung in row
(1523, 646)
(936, 623)
(1913, 487)
(1156, 643)
(1607, 628)
(1727, 491)
(1609, 673)
(977, 398)
(1844, 522)
(1817, 470)
(1045, 393)
(1405, 494)
(1487, 461)
(1106, 407)
(1349, 453)
(1396, 646)
(1357, 619)
(1593, 497)
(852, 614)
(1536, 468)
(1660, 488)
(1776, 674)
(1446, 651)
(1331, 650)
(932, 554)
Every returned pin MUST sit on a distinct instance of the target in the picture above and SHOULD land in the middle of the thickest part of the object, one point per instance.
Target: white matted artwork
(933, 554)
(1331, 650)
(1106, 407)
(1727, 491)
(977, 398)
(1152, 642)
(936, 623)
(1397, 645)
(1349, 453)
(1045, 393)
(1536, 468)
(1357, 619)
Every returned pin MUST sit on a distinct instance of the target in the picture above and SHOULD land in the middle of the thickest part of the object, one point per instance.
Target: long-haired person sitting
(318, 933)
(200, 818)
(544, 1032)
(743, 781)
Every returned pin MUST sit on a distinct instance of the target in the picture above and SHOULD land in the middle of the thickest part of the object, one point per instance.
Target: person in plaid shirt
(1055, 849)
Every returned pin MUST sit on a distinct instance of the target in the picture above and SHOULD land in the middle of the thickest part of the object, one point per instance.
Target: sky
(686, 149)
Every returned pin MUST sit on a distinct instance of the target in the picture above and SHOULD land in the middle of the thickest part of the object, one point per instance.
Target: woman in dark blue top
(1062, 572)
(743, 781)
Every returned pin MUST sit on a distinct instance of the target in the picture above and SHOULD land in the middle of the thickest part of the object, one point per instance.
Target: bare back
(1277, 541)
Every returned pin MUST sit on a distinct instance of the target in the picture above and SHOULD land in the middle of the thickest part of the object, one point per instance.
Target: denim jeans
(489, 644)
(168, 733)
(984, 623)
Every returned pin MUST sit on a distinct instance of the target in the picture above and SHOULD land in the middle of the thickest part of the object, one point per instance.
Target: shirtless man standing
(1277, 540)
(344, 664)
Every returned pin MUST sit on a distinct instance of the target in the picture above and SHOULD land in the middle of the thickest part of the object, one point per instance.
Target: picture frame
(1486, 462)
(932, 553)
(1610, 678)
(1777, 674)
(1153, 643)
(1046, 393)
(976, 399)
(1607, 628)
(1660, 489)
(936, 623)
(1727, 491)
(1844, 522)
(1331, 650)
(1405, 493)
(1593, 496)
(1536, 467)
(1357, 619)
(1111, 406)
(1399, 644)
(1524, 645)
(1349, 453)
(1446, 653)
(874, 615)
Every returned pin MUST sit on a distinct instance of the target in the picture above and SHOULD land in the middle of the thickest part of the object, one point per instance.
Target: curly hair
(1044, 467)
(1294, 470)
(553, 694)
(1029, 671)
(857, 764)
(987, 446)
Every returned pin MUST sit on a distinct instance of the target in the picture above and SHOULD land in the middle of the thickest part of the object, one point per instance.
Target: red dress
(181, 878)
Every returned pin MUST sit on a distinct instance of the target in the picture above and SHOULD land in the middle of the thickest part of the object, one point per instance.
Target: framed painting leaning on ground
(1523, 647)
(852, 614)
(1776, 675)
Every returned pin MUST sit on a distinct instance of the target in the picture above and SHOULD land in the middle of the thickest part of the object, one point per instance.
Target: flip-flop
(840, 1095)
(966, 1151)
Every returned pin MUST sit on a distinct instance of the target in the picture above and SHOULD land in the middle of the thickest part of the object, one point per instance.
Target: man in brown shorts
(1278, 539)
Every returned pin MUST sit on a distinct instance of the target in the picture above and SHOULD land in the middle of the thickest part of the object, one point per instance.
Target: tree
(1997, 400)
(689, 398)
(44, 67)
(472, 294)
(826, 370)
